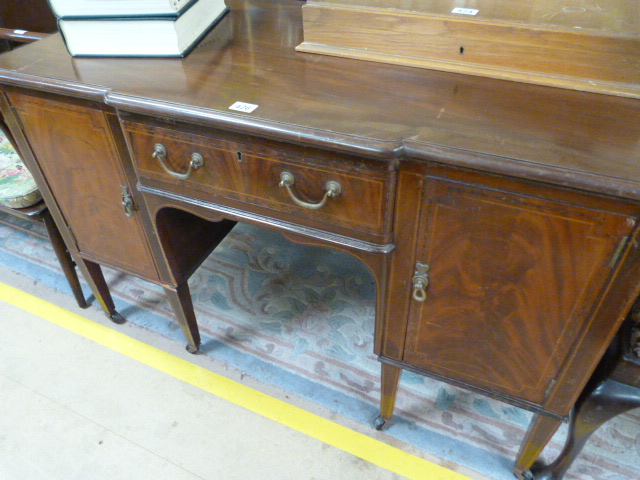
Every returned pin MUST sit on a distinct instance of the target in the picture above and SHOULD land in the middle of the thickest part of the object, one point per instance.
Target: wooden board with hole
(578, 44)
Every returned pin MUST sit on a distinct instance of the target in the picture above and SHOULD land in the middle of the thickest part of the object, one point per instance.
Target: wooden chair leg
(64, 258)
(540, 431)
(92, 273)
(388, 389)
(608, 400)
(180, 300)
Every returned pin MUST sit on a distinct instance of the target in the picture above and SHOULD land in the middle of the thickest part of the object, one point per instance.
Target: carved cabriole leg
(540, 431)
(93, 275)
(180, 299)
(64, 258)
(608, 400)
(388, 390)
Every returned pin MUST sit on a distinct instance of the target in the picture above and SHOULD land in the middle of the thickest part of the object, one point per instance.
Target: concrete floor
(71, 409)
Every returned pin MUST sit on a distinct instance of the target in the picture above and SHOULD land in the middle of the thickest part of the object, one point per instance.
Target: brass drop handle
(420, 282)
(332, 190)
(160, 152)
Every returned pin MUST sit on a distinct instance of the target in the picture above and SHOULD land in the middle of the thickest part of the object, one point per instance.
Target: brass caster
(117, 318)
(523, 475)
(379, 423)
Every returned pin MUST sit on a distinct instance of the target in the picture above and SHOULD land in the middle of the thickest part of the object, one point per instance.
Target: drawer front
(318, 193)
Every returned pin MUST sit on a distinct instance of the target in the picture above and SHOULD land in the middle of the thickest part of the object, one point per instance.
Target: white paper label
(465, 11)
(243, 107)
(19, 32)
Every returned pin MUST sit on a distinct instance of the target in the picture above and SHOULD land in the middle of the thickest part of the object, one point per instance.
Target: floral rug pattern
(302, 318)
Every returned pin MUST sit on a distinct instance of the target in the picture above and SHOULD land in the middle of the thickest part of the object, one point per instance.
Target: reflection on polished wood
(523, 200)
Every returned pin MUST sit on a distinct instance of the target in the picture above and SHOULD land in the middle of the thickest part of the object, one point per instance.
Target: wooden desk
(500, 220)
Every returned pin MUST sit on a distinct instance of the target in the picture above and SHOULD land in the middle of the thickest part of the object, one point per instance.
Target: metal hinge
(616, 256)
(552, 384)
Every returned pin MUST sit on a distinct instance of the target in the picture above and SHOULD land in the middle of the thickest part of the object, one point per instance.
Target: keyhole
(461, 50)
(239, 156)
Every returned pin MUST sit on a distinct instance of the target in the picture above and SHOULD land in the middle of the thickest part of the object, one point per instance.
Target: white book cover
(117, 8)
(141, 36)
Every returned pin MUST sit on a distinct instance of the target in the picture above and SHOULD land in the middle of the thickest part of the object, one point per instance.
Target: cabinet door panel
(80, 161)
(512, 282)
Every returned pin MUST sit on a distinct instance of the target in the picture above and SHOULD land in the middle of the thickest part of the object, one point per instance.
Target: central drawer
(342, 194)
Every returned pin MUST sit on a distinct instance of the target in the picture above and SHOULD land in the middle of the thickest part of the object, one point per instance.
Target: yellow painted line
(360, 445)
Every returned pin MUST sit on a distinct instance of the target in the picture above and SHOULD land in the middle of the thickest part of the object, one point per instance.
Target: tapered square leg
(93, 275)
(388, 391)
(180, 300)
(64, 258)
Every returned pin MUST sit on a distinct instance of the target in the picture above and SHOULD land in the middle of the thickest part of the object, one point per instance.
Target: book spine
(181, 7)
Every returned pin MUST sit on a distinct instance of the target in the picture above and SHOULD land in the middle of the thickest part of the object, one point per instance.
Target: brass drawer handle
(160, 152)
(332, 189)
(420, 282)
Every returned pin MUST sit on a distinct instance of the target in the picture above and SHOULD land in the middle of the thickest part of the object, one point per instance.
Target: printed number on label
(465, 11)
(243, 107)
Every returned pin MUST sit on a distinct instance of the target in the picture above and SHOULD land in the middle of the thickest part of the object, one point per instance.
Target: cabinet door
(512, 279)
(80, 160)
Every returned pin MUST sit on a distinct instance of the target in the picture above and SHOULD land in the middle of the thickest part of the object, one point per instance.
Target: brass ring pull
(419, 292)
(420, 282)
(333, 189)
(127, 201)
(160, 152)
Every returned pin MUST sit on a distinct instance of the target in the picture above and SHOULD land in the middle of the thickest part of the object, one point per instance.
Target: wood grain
(509, 274)
(250, 173)
(594, 49)
(523, 199)
(81, 163)
(558, 136)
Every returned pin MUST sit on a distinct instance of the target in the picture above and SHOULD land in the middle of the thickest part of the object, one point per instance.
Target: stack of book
(135, 28)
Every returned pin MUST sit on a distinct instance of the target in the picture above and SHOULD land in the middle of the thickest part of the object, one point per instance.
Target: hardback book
(147, 36)
(117, 8)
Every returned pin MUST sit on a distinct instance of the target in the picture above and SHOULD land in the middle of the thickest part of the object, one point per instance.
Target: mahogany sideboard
(500, 220)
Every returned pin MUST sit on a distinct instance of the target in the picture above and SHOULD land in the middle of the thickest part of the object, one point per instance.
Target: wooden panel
(592, 46)
(33, 15)
(513, 281)
(76, 153)
(251, 173)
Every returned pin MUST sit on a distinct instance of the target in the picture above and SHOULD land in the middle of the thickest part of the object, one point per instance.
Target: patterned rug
(301, 318)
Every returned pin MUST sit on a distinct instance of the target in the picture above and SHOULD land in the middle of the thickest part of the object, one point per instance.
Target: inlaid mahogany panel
(76, 152)
(512, 282)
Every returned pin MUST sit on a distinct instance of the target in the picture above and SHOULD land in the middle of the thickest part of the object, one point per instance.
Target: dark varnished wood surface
(397, 132)
(78, 156)
(34, 15)
(238, 171)
(509, 273)
(568, 138)
(513, 268)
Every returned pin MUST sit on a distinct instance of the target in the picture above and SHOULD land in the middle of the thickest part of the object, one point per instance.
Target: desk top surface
(582, 140)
